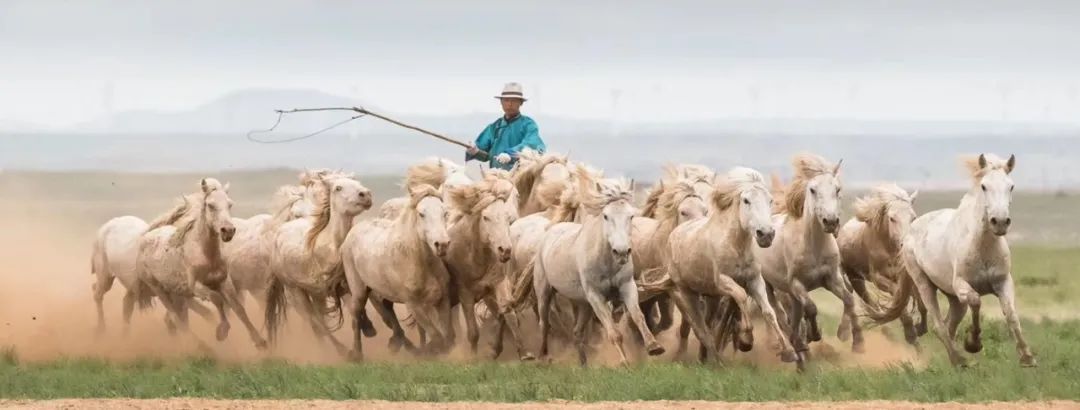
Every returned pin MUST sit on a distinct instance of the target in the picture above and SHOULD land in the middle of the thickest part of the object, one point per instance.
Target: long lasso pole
(483, 156)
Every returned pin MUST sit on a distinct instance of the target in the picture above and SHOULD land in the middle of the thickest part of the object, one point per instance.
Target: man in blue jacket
(508, 135)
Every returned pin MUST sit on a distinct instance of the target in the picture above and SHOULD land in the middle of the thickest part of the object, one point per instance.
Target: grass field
(58, 213)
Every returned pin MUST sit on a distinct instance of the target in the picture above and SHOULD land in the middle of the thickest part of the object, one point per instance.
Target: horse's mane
(282, 202)
(673, 195)
(320, 217)
(194, 204)
(173, 215)
(807, 166)
(595, 193)
(993, 163)
(529, 167)
(673, 174)
(431, 171)
(569, 202)
(871, 209)
(419, 193)
(310, 177)
(727, 189)
(471, 199)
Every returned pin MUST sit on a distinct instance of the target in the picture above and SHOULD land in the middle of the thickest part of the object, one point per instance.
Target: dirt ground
(325, 404)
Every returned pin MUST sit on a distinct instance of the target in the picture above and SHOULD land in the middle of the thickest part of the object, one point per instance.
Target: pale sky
(630, 60)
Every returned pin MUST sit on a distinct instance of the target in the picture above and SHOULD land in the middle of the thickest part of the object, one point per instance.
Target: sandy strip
(369, 404)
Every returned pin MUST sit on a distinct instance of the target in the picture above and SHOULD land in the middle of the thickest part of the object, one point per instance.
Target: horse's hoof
(261, 345)
(920, 329)
(843, 332)
(814, 336)
(788, 356)
(745, 347)
(222, 332)
(528, 357)
(1028, 361)
(973, 346)
(858, 348)
(356, 356)
(655, 349)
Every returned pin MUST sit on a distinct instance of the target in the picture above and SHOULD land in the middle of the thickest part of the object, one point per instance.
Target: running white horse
(400, 261)
(184, 260)
(714, 257)
(589, 264)
(247, 255)
(306, 261)
(870, 248)
(481, 228)
(804, 255)
(963, 253)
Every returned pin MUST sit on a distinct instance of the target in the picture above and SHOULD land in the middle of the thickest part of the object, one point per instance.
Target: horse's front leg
(236, 303)
(967, 295)
(835, 284)
(1005, 293)
(629, 294)
(215, 297)
(468, 309)
(603, 312)
(756, 286)
(728, 286)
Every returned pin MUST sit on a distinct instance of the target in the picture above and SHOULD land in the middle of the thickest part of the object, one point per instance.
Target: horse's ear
(227, 187)
(913, 196)
(1009, 165)
(205, 187)
(632, 186)
(598, 187)
(982, 161)
(836, 169)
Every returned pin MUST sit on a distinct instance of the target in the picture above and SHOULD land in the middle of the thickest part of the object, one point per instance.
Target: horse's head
(217, 208)
(347, 195)
(495, 220)
(744, 189)
(691, 208)
(994, 190)
(823, 199)
(617, 213)
(491, 206)
(900, 214)
(431, 215)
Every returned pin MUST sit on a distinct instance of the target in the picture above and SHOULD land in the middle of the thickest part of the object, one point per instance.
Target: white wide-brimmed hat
(512, 90)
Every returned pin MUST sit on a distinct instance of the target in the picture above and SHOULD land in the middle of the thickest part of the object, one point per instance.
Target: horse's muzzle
(227, 233)
(764, 237)
(504, 254)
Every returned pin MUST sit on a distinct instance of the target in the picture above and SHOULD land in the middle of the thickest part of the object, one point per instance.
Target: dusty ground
(324, 404)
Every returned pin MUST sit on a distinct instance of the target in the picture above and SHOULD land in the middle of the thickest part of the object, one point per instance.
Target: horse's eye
(813, 191)
(487, 219)
(1012, 187)
(746, 201)
(422, 215)
(984, 187)
(337, 189)
(605, 217)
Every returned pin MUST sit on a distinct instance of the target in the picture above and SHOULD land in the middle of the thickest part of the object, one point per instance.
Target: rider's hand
(472, 150)
(503, 158)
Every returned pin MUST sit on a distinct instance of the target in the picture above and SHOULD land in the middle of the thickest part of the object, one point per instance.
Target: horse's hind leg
(957, 309)
(688, 304)
(1005, 293)
(582, 316)
(304, 306)
(544, 296)
(928, 294)
(398, 339)
(129, 307)
(357, 304)
(103, 284)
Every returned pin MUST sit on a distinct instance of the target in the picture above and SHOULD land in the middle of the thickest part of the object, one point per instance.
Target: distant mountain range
(244, 110)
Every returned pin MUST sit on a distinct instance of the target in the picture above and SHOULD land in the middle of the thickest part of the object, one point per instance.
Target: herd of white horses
(559, 244)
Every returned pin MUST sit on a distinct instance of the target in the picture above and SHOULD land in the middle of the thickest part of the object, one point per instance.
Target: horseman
(508, 135)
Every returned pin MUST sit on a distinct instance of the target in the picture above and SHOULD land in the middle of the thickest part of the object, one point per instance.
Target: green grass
(995, 376)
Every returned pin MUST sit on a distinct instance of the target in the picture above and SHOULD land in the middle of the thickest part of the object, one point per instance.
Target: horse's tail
(900, 302)
(336, 289)
(144, 299)
(523, 290)
(275, 307)
(654, 282)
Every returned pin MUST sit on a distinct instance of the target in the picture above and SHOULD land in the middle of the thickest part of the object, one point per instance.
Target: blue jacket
(508, 137)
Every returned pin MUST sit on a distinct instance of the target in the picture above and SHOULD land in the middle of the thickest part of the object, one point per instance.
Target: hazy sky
(661, 61)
